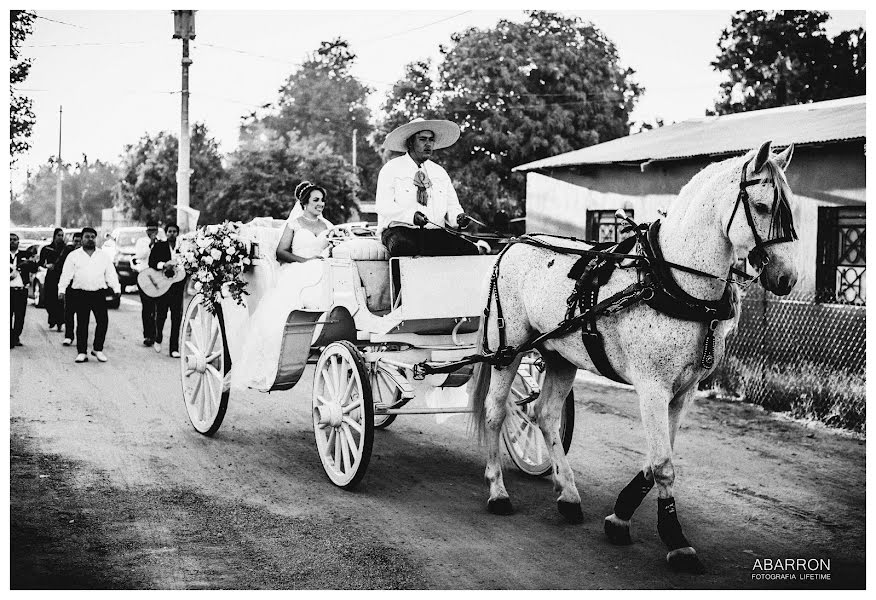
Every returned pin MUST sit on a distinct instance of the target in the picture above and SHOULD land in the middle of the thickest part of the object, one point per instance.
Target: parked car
(38, 283)
(121, 244)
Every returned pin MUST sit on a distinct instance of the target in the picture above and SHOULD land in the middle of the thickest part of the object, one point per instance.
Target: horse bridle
(781, 219)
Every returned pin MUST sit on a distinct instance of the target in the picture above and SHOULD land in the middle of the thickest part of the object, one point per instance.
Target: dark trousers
(147, 314)
(86, 303)
(54, 307)
(69, 314)
(171, 301)
(17, 308)
(407, 241)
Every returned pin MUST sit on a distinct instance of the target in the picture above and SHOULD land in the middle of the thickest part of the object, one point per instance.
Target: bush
(806, 390)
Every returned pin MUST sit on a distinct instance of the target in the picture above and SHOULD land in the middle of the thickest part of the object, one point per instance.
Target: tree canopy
(780, 58)
(87, 188)
(519, 92)
(148, 175)
(21, 117)
(322, 101)
(261, 178)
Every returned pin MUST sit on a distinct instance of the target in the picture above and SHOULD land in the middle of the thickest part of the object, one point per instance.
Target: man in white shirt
(89, 271)
(148, 304)
(412, 189)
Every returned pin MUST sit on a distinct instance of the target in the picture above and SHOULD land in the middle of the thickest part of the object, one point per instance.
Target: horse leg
(558, 380)
(617, 524)
(495, 410)
(656, 409)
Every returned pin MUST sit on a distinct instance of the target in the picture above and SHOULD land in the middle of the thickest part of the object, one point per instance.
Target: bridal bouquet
(214, 256)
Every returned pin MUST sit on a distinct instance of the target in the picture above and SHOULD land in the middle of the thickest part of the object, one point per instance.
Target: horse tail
(478, 386)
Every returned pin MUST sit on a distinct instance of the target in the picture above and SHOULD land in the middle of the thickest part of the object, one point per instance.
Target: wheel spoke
(217, 375)
(192, 348)
(330, 388)
(330, 442)
(197, 388)
(336, 374)
(353, 424)
(351, 407)
(322, 399)
(209, 395)
(214, 356)
(345, 453)
(189, 372)
(353, 447)
(202, 401)
(348, 390)
(337, 456)
(214, 337)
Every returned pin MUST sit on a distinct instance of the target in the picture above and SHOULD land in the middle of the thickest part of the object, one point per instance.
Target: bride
(300, 251)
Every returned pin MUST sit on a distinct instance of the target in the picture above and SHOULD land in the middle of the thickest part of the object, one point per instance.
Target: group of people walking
(77, 278)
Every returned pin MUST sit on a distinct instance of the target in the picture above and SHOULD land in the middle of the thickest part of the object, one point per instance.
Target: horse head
(762, 219)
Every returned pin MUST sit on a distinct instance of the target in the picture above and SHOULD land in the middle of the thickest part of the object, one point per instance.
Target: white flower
(207, 260)
(198, 286)
(226, 242)
(202, 242)
(229, 251)
(216, 254)
(246, 261)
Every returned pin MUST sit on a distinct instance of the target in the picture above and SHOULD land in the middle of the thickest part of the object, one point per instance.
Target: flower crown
(303, 189)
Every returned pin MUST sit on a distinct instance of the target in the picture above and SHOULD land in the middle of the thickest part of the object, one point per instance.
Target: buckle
(500, 323)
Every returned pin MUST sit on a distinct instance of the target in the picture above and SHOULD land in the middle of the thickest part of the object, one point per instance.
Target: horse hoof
(617, 530)
(571, 511)
(500, 506)
(685, 560)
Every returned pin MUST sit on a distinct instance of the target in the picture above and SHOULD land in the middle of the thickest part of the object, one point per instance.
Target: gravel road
(111, 488)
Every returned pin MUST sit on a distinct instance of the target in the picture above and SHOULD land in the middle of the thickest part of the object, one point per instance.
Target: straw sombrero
(446, 133)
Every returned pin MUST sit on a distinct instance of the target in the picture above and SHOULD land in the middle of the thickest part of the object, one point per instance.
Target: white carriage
(364, 326)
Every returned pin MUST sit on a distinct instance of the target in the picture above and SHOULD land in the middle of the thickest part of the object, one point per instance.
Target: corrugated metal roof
(828, 121)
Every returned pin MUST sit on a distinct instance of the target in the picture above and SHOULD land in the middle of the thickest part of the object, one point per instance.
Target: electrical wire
(59, 22)
(398, 33)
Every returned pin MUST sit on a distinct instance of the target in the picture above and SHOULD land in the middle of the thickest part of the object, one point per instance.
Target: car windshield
(129, 238)
(34, 233)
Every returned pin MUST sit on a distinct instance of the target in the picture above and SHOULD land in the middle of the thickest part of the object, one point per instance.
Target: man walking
(147, 303)
(21, 265)
(163, 258)
(89, 271)
(49, 257)
(69, 310)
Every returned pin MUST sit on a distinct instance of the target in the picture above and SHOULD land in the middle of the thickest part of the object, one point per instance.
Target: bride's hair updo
(303, 190)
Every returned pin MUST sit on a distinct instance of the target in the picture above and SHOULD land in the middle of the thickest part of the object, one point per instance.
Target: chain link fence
(798, 355)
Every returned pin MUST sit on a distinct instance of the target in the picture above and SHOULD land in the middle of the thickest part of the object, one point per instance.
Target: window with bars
(604, 226)
(840, 275)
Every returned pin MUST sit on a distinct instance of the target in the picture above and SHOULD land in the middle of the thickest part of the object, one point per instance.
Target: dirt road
(111, 488)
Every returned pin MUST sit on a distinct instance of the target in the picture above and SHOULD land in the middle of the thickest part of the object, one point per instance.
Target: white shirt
(89, 273)
(14, 275)
(142, 248)
(397, 194)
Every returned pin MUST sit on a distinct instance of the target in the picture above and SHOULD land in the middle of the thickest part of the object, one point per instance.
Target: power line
(141, 42)
(245, 53)
(398, 33)
(59, 22)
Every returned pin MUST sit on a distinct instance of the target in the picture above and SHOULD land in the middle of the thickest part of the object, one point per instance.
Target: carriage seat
(371, 260)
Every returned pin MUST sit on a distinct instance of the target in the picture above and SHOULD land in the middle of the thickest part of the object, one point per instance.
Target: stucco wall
(558, 201)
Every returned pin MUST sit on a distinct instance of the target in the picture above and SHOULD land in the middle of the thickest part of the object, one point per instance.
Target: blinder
(781, 219)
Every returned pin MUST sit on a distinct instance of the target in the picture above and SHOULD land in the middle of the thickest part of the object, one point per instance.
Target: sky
(117, 73)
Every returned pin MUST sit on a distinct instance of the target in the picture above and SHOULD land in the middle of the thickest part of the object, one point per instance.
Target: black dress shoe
(148, 342)
(18, 343)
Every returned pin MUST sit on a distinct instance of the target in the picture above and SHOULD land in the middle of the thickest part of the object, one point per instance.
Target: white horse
(737, 206)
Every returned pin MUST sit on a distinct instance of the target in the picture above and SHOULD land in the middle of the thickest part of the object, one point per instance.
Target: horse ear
(763, 155)
(783, 158)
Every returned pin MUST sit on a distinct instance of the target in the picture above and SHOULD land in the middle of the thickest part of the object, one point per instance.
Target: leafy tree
(414, 95)
(21, 117)
(323, 100)
(148, 175)
(780, 58)
(520, 92)
(86, 190)
(262, 176)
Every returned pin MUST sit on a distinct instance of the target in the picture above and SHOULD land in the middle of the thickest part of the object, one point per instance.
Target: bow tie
(421, 180)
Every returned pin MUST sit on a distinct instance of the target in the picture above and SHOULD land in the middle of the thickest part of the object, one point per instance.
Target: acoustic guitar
(155, 283)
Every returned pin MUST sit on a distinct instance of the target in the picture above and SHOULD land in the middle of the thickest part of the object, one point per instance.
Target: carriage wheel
(204, 361)
(523, 438)
(385, 393)
(343, 416)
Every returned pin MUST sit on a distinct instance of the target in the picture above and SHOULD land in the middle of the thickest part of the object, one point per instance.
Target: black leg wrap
(668, 526)
(631, 496)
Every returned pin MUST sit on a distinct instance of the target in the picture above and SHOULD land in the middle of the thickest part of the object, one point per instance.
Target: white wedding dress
(257, 362)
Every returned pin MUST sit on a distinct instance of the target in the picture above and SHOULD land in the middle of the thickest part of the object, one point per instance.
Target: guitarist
(163, 258)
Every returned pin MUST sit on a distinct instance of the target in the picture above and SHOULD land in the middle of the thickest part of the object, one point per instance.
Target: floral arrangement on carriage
(215, 256)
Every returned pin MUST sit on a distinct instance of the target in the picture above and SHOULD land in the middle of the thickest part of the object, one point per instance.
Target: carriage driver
(411, 188)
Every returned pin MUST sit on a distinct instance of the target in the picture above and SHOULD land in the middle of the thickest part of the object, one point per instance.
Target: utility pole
(184, 29)
(355, 170)
(60, 178)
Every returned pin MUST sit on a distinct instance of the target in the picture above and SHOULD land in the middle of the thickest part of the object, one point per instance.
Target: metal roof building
(576, 193)
(719, 136)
